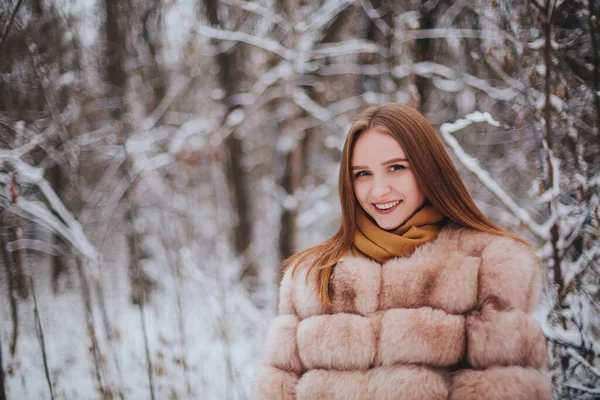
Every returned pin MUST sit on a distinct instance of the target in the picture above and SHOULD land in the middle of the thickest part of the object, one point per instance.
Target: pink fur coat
(449, 322)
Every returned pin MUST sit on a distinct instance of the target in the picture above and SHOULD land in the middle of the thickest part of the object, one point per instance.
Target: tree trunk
(424, 49)
(236, 176)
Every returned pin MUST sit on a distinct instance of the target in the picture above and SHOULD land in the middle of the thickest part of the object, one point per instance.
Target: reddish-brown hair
(434, 171)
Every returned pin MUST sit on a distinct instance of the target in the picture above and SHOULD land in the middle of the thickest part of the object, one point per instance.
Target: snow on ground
(201, 348)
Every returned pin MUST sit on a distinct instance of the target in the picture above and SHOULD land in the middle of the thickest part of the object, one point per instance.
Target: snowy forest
(159, 159)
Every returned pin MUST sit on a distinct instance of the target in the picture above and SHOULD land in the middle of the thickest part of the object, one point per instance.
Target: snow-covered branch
(324, 16)
(569, 339)
(264, 12)
(310, 106)
(283, 70)
(428, 69)
(67, 226)
(580, 388)
(262, 43)
(348, 69)
(347, 47)
(473, 165)
(577, 357)
(445, 33)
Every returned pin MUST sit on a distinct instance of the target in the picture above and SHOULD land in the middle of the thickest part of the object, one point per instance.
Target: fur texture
(403, 329)
(275, 384)
(339, 341)
(501, 383)
(381, 383)
(421, 336)
(355, 286)
(505, 338)
(281, 349)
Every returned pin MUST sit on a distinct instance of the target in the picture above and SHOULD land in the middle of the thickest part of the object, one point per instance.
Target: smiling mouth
(386, 206)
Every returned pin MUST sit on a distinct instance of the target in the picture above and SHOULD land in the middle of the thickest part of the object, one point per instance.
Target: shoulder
(510, 273)
(298, 291)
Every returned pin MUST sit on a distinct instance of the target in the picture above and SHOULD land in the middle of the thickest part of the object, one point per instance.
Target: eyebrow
(393, 160)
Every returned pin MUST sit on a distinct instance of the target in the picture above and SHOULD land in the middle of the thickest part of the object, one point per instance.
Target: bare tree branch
(9, 25)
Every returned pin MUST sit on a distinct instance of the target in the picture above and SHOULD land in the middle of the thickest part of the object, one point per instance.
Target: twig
(579, 388)
(11, 295)
(595, 49)
(107, 330)
(579, 228)
(217, 177)
(262, 11)
(567, 344)
(472, 165)
(89, 319)
(537, 5)
(12, 17)
(63, 223)
(324, 16)
(2, 375)
(40, 335)
(265, 44)
(138, 286)
(583, 362)
(146, 346)
(180, 316)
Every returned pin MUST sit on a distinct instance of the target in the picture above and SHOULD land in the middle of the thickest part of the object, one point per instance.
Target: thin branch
(584, 389)
(180, 316)
(266, 44)
(585, 219)
(596, 57)
(304, 101)
(164, 104)
(2, 375)
(139, 286)
(40, 335)
(91, 330)
(554, 336)
(472, 165)
(427, 69)
(577, 357)
(12, 17)
(324, 16)
(146, 347)
(109, 336)
(538, 5)
(14, 311)
(375, 17)
(354, 46)
(67, 226)
(262, 11)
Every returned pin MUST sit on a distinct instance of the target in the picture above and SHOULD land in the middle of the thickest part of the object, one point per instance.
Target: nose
(381, 187)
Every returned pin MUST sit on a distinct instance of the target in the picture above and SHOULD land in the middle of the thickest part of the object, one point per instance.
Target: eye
(361, 174)
(397, 167)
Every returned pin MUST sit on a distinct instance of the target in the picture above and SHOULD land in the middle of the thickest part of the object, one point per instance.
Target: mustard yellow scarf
(380, 245)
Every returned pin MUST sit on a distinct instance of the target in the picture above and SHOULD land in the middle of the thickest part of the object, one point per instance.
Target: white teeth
(387, 206)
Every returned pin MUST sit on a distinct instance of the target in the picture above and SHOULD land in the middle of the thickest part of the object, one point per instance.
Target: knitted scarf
(381, 245)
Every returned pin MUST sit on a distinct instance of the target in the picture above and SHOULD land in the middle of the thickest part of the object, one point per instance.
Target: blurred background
(158, 160)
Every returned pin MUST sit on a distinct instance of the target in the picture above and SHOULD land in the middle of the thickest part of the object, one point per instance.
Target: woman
(417, 296)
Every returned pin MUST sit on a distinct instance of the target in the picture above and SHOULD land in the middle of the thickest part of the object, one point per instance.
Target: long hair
(434, 171)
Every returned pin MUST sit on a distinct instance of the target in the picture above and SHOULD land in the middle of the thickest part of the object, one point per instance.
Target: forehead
(375, 146)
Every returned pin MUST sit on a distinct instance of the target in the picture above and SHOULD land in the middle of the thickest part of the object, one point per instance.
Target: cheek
(360, 190)
(415, 193)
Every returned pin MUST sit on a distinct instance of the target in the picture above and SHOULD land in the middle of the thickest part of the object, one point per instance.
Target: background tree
(158, 161)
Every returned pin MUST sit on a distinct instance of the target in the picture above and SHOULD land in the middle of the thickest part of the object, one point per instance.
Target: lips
(389, 207)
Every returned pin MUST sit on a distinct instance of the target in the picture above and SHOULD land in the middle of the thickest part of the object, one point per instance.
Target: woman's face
(384, 183)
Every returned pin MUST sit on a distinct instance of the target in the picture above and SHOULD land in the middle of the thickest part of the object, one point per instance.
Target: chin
(388, 225)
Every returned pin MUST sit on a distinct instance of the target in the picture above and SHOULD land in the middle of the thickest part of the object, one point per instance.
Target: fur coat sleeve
(449, 322)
